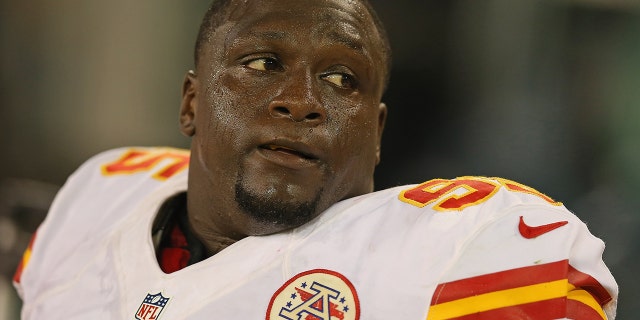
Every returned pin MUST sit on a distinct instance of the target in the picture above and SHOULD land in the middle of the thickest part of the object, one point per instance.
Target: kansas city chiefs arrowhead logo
(316, 294)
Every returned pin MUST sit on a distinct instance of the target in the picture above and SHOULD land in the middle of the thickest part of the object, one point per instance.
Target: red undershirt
(175, 254)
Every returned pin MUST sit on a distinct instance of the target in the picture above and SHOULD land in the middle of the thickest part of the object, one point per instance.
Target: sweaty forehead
(343, 21)
(330, 9)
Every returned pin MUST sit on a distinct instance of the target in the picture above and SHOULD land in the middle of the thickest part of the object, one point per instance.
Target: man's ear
(188, 105)
(382, 119)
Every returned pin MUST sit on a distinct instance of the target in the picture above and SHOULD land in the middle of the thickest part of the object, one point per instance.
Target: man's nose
(299, 101)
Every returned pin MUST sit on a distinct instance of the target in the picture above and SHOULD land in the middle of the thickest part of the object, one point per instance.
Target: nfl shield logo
(151, 307)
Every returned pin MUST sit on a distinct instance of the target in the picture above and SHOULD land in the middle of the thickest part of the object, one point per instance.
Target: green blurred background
(543, 92)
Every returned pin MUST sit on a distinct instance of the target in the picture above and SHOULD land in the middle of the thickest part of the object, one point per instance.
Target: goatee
(265, 208)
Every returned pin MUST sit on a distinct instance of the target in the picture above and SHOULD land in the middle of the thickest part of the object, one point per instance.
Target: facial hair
(268, 209)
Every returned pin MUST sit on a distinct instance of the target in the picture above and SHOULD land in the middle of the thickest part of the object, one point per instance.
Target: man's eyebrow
(349, 41)
(252, 36)
(269, 34)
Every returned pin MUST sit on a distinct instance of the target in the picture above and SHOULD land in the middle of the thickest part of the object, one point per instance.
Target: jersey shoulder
(113, 180)
(469, 198)
(111, 183)
(97, 197)
(509, 232)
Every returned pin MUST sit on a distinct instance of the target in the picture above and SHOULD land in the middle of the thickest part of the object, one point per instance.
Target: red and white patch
(315, 295)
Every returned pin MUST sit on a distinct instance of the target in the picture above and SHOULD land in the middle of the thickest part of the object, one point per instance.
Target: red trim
(518, 187)
(589, 284)
(18, 274)
(503, 280)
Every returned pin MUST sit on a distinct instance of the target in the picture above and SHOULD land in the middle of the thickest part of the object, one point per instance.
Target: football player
(271, 213)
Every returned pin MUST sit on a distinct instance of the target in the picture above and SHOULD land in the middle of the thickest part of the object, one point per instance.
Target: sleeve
(518, 254)
(530, 262)
(78, 181)
(90, 203)
(592, 290)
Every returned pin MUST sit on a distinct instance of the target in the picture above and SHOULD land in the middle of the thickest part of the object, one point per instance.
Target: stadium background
(543, 92)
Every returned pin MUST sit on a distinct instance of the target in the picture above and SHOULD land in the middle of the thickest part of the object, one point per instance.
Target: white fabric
(93, 257)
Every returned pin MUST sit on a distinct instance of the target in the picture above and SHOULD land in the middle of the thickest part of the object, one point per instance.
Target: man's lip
(294, 148)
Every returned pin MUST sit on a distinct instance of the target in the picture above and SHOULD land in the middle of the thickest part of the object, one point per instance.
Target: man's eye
(264, 64)
(341, 80)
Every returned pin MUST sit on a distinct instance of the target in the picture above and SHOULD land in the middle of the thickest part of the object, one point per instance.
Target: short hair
(213, 18)
(217, 14)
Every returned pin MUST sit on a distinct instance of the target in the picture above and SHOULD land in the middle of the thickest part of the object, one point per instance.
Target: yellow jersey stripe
(499, 299)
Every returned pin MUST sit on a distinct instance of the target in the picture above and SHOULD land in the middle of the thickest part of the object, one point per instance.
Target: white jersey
(465, 248)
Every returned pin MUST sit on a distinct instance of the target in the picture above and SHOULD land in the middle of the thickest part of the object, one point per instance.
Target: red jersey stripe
(492, 282)
(578, 310)
(582, 305)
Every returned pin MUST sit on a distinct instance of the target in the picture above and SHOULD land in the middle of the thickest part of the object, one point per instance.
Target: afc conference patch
(151, 306)
(315, 294)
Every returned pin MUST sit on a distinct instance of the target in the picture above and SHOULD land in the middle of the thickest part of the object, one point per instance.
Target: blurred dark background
(543, 92)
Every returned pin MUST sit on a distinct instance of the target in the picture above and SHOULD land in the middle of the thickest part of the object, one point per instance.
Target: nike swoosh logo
(530, 232)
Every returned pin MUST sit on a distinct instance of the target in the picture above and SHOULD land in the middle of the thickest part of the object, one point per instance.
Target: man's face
(284, 109)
